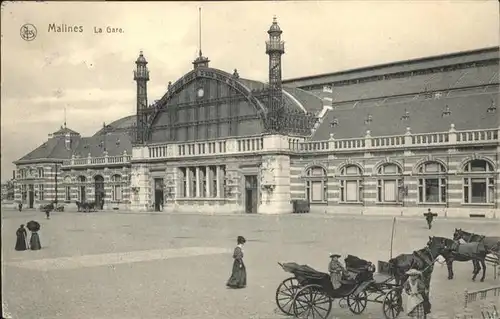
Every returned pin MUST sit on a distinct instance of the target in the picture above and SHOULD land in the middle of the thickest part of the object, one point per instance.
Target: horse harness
(428, 261)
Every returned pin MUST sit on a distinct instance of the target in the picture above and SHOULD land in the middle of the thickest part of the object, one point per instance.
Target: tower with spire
(200, 61)
(141, 76)
(275, 48)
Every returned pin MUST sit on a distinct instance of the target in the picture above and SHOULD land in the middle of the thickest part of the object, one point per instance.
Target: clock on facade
(201, 92)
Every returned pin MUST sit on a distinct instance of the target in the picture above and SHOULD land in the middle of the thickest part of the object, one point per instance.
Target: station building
(391, 139)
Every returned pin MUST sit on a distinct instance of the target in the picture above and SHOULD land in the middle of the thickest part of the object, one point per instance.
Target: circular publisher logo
(28, 32)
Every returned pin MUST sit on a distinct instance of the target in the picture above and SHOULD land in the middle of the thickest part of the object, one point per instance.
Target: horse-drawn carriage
(310, 294)
(86, 206)
(52, 207)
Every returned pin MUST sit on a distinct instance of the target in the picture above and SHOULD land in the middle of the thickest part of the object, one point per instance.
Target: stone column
(198, 180)
(208, 178)
(188, 182)
(275, 173)
(140, 179)
(218, 176)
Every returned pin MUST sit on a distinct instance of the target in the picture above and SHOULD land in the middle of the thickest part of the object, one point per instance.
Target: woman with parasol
(34, 227)
(22, 239)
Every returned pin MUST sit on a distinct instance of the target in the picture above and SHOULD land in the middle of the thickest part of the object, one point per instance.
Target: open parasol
(33, 225)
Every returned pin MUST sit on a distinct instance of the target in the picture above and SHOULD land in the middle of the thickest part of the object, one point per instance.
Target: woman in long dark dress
(22, 238)
(238, 277)
(35, 241)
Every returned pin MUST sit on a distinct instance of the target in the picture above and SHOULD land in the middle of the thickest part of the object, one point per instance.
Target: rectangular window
(67, 193)
(40, 172)
(431, 190)
(317, 191)
(491, 190)
(342, 191)
(478, 190)
(40, 192)
(308, 191)
(390, 190)
(351, 191)
(443, 190)
(117, 192)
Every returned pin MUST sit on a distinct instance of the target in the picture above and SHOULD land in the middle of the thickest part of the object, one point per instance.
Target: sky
(90, 74)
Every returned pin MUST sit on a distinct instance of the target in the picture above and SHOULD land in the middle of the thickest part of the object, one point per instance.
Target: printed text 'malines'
(63, 28)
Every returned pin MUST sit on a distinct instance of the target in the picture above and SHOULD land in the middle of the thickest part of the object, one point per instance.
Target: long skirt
(238, 277)
(35, 242)
(21, 243)
(418, 312)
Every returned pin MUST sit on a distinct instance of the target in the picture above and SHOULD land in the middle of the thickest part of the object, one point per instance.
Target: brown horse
(492, 243)
(422, 259)
(452, 250)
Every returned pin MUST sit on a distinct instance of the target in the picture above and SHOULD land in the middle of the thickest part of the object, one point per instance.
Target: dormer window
(406, 116)
(368, 119)
(446, 111)
(334, 122)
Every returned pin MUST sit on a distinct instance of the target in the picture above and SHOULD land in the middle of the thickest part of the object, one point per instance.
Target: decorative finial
(275, 20)
(64, 117)
(140, 52)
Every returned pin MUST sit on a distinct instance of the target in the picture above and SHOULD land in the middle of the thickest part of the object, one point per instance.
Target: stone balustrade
(98, 161)
(264, 143)
(451, 138)
(203, 148)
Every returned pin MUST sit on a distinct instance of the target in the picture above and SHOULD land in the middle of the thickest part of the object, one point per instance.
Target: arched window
(388, 183)
(479, 183)
(316, 185)
(351, 184)
(67, 188)
(432, 183)
(116, 187)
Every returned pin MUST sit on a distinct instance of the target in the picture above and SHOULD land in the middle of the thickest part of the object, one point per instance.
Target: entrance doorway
(251, 194)
(31, 195)
(158, 194)
(99, 191)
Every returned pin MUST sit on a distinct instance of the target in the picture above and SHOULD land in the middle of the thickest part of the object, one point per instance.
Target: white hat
(413, 272)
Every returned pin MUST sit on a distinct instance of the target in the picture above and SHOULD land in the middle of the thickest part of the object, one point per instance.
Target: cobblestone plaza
(148, 265)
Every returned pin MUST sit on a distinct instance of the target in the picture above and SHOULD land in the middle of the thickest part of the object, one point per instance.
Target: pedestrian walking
(20, 206)
(417, 294)
(22, 239)
(429, 217)
(238, 277)
(336, 270)
(34, 227)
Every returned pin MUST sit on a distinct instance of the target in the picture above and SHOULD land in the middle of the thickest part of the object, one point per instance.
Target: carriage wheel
(312, 302)
(357, 302)
(392, 304)
(285, 293)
